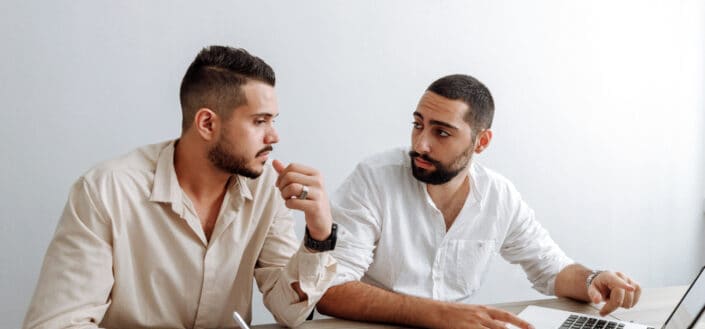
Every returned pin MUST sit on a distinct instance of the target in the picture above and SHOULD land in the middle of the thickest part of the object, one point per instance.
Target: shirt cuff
(551, 284)
(314, 271)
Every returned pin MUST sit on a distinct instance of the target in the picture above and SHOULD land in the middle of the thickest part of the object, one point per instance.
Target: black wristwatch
(325, 245)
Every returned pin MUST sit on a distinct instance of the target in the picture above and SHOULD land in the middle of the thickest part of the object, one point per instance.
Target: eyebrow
(436, 122)
(265, 114)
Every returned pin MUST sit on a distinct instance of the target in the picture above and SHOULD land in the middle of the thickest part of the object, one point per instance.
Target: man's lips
(423, 163)
(264, 153)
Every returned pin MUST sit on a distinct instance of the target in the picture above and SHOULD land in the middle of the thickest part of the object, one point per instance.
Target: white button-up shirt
(130, 252)
(392, 235)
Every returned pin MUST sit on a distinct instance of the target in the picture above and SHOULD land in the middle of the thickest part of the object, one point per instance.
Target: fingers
(294, 173)
(508, 317)
(631, 297)
(293, 185)
(617, 289)
(307, 206)
(294, 190)
(613, 302)
(278, 166)
(292, 178)
(621, 284)
(594, 294)
(612, 281)
(628, 300)
(292, 167)
(291, 181)
(637, 294)
(494, 324)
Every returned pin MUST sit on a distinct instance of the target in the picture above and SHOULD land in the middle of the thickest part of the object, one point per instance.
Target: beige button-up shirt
(130, 252)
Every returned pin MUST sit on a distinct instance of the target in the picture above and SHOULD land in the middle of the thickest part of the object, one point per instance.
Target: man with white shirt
(171, 235)
(418, 227)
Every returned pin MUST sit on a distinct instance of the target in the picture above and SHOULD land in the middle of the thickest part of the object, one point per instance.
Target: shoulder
(492, 182)
(137, 164)
(491, 176)
(395, 160)
(380, 174)
(494, 186)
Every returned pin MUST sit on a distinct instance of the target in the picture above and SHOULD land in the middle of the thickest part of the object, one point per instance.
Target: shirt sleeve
(358, 226)
(530, 245)
(76, 277)
(282, 263)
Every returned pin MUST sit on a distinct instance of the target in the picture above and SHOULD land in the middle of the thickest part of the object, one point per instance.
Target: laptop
(684, 316)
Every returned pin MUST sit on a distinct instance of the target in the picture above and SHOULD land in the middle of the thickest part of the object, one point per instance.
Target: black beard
(228, 162)
(443, 174)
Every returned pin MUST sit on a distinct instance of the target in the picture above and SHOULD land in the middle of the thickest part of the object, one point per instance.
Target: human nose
(421, 143)
(272, 137)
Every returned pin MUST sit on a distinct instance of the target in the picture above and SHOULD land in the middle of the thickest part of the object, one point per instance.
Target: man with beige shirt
(172, 234)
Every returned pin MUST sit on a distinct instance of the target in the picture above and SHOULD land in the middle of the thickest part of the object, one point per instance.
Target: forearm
(362, 302)
(570, 282)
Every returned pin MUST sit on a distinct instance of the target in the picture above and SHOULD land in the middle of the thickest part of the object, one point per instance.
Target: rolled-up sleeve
(529, 244)
(359, 228)
(76, 278)
(282, 262)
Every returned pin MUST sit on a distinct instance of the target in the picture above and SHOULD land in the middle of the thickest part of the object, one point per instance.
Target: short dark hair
(473, 93)
(214, 81)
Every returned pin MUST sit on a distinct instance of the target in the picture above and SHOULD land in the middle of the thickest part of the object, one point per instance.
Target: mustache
(414, 154)
(267, 148)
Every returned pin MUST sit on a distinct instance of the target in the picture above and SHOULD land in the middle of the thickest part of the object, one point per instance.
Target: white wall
(600, 117)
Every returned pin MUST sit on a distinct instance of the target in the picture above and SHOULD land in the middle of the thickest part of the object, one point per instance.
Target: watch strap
(325, 245)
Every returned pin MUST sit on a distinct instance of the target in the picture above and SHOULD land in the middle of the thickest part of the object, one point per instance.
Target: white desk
(653, 308)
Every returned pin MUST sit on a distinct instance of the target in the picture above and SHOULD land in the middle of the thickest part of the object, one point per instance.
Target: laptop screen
(690, 307)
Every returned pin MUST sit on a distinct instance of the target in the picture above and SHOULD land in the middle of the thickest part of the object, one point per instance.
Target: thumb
(278, 166)
(594, 294)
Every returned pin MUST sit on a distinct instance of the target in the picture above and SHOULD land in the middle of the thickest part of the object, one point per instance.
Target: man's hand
(616, 289)
(479, 316)
(291, 182)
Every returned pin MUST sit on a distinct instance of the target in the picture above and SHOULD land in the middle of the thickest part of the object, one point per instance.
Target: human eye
(260, 121)
(442, 133)
(416, 125)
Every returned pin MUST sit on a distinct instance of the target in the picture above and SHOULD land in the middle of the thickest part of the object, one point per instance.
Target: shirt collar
(242, 186)
(474, 177)
(166, 186)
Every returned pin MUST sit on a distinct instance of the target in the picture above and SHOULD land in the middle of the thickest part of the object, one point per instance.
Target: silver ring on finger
(304, 193)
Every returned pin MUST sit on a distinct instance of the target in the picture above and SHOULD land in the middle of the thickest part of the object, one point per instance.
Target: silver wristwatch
(593, 274)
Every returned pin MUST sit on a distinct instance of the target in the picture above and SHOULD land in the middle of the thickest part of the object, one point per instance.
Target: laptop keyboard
(584, 322)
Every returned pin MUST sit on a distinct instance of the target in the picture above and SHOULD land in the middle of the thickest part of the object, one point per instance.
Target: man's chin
(430, 176)
(250, 174)
(252, 171)
(421, 174)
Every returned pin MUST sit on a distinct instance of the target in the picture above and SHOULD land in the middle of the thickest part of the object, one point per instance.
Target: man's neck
(204, 184)
(199, 179)
(450, 197)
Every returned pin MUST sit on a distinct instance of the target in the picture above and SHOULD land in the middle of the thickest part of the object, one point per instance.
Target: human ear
(482, 141)
(206, 123)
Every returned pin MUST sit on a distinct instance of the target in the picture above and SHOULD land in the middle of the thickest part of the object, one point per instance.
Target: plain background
(600, 118)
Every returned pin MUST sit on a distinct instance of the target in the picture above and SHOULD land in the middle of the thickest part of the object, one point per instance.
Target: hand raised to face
(302, 189)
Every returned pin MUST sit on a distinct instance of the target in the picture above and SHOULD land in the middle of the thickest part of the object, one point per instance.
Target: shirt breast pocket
(466, 264)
